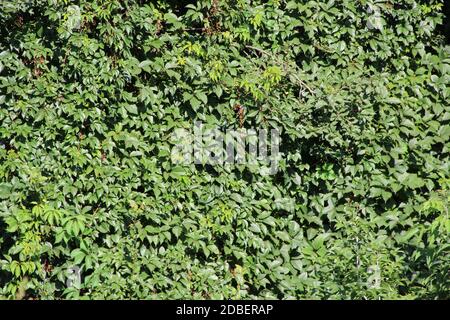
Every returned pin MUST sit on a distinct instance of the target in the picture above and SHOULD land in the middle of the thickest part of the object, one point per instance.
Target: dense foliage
(91, 90)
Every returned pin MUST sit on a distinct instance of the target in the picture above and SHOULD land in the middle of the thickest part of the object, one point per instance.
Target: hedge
(91, 91)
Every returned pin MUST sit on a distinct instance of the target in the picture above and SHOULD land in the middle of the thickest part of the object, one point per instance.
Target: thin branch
(262, 51)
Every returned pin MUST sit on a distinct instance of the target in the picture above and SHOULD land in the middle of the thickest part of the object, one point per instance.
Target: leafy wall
(91, 90)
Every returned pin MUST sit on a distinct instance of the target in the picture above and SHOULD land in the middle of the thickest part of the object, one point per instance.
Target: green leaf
(202, 97)
(5, 190)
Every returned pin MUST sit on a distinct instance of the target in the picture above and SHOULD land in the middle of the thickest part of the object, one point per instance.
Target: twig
(302, 83)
